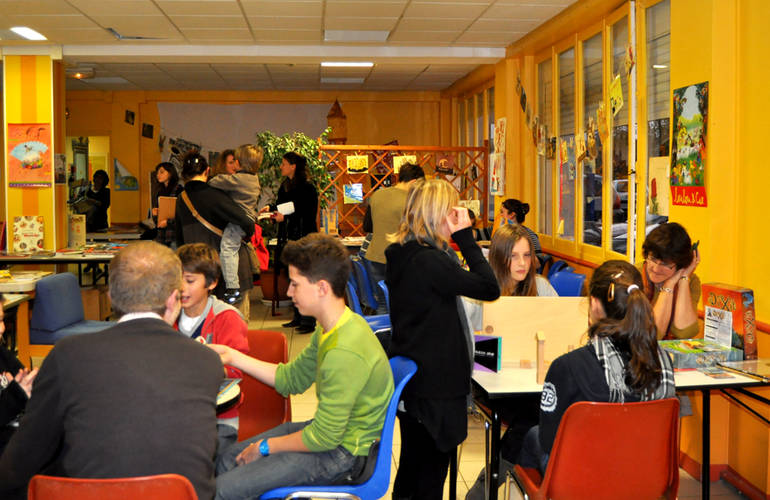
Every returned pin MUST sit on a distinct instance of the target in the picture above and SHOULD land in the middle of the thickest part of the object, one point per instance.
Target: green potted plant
(274, 147)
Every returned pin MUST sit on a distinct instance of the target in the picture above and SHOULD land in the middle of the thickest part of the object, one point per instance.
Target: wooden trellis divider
(469, 176)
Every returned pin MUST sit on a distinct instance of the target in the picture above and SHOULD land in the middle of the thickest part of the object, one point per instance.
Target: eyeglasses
(659, 263)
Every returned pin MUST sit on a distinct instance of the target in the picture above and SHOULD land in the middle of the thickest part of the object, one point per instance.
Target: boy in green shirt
(353, 385)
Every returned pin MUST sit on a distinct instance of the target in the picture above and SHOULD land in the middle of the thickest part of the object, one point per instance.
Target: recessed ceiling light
(355, 35)
(80, 73)
(28, 33)
(659, 66)
(343, 80)
(331, 64)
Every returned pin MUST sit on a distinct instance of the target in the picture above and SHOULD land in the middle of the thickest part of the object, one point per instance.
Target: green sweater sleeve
(298, 375)
(336, 400)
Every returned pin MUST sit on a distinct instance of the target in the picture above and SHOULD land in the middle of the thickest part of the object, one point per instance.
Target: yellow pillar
(29, 110)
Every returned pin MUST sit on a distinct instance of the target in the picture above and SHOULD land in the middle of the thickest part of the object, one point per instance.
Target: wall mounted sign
(688, 148)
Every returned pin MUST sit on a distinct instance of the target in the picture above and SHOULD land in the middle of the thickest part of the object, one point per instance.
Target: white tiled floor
(472, 458)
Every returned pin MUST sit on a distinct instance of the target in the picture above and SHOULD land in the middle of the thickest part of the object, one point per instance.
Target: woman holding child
(426, 280)
(203, 212)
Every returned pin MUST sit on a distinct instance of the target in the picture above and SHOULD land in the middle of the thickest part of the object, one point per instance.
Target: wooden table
(78, 258)
(22, 281)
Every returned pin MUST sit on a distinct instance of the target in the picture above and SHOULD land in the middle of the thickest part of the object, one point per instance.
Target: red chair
(160, 487)
(263, 408)
(611, 451)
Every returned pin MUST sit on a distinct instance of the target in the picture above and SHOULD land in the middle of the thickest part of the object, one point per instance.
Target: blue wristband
(264, 449)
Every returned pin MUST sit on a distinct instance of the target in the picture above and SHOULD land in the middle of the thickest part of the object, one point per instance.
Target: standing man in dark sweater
(136, 399)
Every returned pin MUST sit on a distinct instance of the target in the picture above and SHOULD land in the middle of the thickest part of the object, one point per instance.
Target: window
(544, 160)
(566, 145)
(592, 163)
(658, 21)
(619, 132)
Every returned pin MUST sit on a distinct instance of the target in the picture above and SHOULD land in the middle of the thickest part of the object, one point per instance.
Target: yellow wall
(413, 118)
(28, 96)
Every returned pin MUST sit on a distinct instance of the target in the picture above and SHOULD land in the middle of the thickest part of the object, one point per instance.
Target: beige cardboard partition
(563, 320)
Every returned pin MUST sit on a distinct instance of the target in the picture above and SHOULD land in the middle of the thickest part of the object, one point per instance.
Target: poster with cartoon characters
(688, 145)
(29, 156)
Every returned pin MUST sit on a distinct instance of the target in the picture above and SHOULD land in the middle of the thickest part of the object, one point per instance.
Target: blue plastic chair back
(567, 283)
(377, 485)
(385, 291)
(365, 289)
(558, 266)
(353, 301)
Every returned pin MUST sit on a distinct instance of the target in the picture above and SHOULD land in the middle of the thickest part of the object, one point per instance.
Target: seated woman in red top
(670, 282)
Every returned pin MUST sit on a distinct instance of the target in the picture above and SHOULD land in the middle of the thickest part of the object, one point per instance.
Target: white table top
(22, 281)
(14, 299)
(511, 380)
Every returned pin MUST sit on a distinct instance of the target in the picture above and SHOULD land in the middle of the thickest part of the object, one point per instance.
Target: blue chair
(558, 266)
(376, 486)
(364, 284)
(377, 322)
(567, 283)
(385, 292)
(58, 311)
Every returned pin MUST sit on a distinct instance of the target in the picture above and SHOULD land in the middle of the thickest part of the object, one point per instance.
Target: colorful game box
(739, 301)
(698, 353)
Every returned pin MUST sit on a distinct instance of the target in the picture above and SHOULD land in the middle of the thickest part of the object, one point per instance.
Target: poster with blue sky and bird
(29, 155)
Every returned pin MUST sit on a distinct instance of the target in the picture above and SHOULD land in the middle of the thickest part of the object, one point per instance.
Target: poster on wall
(353, 193)
(497, 174)
(688, 147)
(29, 156)
(357, 164)
(28, 233)
(124, 181)
(400, 161)
(657, 190)
(60, 168)
(500, 135)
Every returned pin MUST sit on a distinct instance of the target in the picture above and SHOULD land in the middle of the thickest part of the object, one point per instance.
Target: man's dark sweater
(136, 399)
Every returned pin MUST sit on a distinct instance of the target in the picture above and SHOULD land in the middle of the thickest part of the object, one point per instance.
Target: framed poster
(29, 158)
(688, 145)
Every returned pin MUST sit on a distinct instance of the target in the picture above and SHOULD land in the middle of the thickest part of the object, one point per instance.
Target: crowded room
(403, 249)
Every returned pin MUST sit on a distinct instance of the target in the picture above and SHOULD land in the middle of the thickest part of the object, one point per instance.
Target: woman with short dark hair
(670, 282)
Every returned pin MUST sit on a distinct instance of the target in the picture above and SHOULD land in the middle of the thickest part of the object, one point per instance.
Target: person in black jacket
(99, 195)
(296, 189)
(426, 280)
(217, 209)
(168, 185)
(622, 361)
(15, 388)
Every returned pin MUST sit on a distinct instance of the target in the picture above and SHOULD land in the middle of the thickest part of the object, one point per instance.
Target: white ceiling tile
(234, 34)
(504, 25)
(360, 9)
(419, 24)
(36, 7)
(256, 8)
(203, 8)
(360, 23)
(149, 26)
(285, 23)
(209, 22)
(529, 11)
(62, 21)
(81, 35)
(400, 35)
(96, 8)
(288, 36)
(445, 10)
(491, 38)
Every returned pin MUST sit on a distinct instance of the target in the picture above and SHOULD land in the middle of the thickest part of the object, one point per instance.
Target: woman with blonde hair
(426, 280)
(511, 255)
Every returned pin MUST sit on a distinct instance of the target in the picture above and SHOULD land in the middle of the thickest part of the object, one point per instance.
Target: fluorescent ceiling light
(330, 64)
(355, 36)
(28, 33)
(343, 80)
(659, 66)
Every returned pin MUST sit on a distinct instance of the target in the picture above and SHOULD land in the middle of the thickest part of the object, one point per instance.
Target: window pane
(566, 153)
(544, 163)
(592, 163)
(461, 123)
(479, 119)
(658, 87)
(620, 142)
(469, 110)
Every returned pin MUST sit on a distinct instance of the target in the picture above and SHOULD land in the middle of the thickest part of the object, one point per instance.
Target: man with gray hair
(133, 400)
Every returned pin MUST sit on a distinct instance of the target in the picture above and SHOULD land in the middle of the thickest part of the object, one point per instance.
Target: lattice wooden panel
(469, 176)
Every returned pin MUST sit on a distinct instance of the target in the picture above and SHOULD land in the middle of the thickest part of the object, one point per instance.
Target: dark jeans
(422, 467)
(377, 274)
